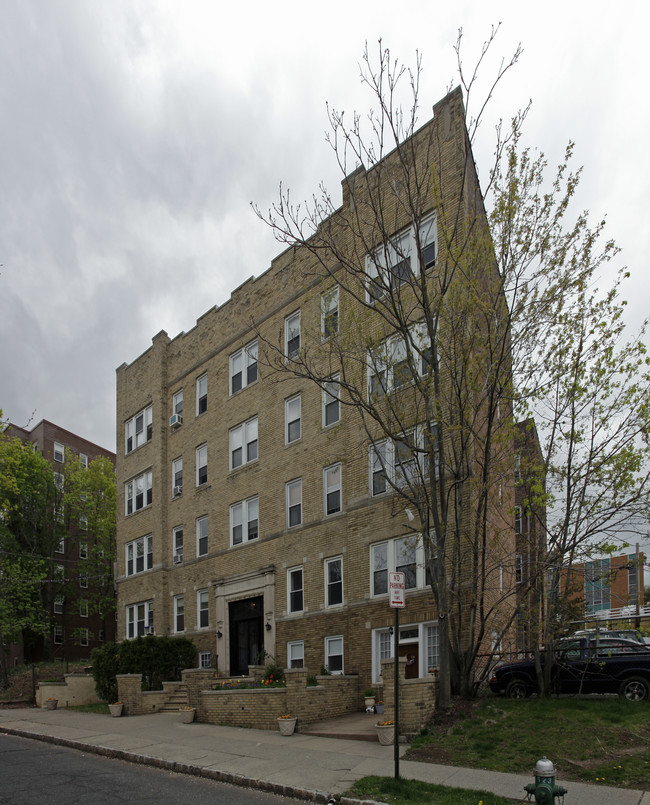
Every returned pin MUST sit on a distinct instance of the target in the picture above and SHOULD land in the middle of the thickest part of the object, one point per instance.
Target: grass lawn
(395, 792)
(596, 740)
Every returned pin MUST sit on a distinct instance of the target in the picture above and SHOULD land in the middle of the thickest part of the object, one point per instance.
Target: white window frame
(83, 636)
(83, 608)
(200, 536)
(292, 488)
(332, 400)
(136, 549)
(428, 640)
(333, 583)
(243, 363)
(329, 642)
(393, 549)
(519, 520)
(332, 484)
(245, 514)
(292, 335)
(244, 438)
(131, 493)
(177, 402)
(136, 625)
(177, 475)
(384, 460)
(59, 601)
(205, 659)
(177, 540)
(519, 568)
(329, 313)
(83, 460)
(400, 252)
(292, 573)
(296, 654)
(58, 634)
(138, 433)
(203, 608)
(292, 415)
(83, 550)
(202, 464)
(202, 394)
(83, 581)
(179, 614)
(59, 452)
(387, 364)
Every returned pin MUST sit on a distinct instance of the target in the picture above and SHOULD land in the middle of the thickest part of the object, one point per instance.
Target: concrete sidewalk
(307, 766)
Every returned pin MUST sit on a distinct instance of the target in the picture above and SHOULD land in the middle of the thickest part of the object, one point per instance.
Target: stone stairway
(176, 696)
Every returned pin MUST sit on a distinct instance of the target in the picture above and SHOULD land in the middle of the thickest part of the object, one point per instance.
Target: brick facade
(256, 575)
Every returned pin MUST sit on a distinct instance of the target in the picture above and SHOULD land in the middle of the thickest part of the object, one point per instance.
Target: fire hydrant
(544, 787)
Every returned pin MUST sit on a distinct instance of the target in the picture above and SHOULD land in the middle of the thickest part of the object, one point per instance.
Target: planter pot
(115, 709)
(386, 734)
(369, 701)
(187, 715)
(379, 709)
(50, 704)
(287, 725)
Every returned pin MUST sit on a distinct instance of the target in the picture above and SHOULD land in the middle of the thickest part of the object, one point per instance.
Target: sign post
(397, 594)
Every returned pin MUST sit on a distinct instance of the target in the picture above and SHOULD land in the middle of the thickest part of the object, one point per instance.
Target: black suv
(583, 665)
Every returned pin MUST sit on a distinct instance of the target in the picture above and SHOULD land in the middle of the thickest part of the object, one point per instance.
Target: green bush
(158, 659)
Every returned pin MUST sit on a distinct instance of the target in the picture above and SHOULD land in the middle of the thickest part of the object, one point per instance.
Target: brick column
(388, 676)
(129, 692)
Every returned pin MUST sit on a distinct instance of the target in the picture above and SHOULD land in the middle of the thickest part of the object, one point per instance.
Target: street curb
(240, 780)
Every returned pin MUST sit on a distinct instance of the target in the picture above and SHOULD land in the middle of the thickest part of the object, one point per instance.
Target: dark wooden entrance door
(246, 633)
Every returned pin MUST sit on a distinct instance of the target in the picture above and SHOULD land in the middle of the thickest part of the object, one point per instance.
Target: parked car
(628, 634)
(583, 665)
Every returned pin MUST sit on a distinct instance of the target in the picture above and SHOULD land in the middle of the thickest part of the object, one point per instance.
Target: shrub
(158, 659)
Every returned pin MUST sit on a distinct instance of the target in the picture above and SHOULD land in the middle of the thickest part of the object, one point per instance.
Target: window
(397, 260)
(405, 555)
(59, 481)
(83, 608)
(202, 536)
(243, 367)
(202, 609)
(517, 469)
(295, 592)
(243, 443)
(405, 461)
(83, 460)
(519, 568)
(331, 401)
(202, 465)
(179, 613)
(201, 394)
(394, 362)
(139, 555)
(294, 503)
(334, 582)
(60, 545)
(83, 637)
(101, 636)
(138, 430)
(59, 573)
(177, 403)
(332, 489)
(205, 659)
(296, 654)
(433, 645)
(518, 520)
(139, 618)
(329, 312)
(292, 335)
(58, 635)
(59, 452)
(177, 477)
(83, 550)
(334, 654)
(83, 581)
(137, 493)
(244, 521)
(292, 419)
(177, 537)
(58, 605)
(379, 467)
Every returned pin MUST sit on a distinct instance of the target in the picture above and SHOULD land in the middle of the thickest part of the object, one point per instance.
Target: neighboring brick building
(75, 628)
(250, 515)
(609, 585)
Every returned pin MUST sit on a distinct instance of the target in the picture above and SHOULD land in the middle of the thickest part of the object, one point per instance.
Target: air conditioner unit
(175, 420)
(178, 490)
(148, 629)
(178, 558)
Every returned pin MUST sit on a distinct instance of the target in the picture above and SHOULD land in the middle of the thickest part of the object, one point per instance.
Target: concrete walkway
(304, 765)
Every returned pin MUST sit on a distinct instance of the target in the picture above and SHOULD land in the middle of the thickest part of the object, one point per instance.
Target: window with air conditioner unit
(176, 419)
(177, 537)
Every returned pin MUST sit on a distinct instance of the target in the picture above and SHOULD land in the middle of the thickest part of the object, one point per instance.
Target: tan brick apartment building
(76, 627)
(251, 515)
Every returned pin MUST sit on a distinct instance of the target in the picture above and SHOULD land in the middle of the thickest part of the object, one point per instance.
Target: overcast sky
(135, 135)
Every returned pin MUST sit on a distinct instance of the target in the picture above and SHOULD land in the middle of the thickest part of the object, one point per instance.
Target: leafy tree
(439, 349)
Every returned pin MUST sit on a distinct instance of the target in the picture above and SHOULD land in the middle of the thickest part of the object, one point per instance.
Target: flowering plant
(287, 715)
(186, 708)
(385, 723)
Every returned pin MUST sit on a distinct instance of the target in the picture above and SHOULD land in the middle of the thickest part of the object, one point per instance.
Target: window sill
(243, 388)
(138, 511)
(243, 466)
(139, 447)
